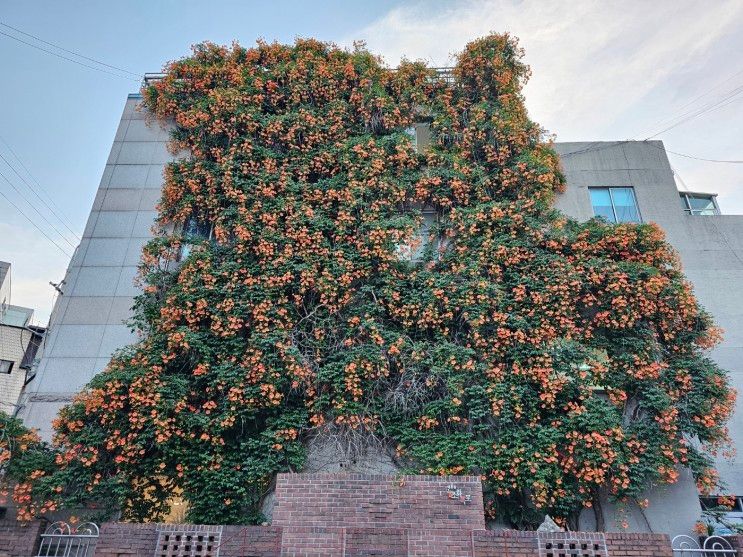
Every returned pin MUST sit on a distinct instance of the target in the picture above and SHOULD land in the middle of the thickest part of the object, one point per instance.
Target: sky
(600, 71)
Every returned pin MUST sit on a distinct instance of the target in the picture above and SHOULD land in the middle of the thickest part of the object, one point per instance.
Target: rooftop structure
(19, 342)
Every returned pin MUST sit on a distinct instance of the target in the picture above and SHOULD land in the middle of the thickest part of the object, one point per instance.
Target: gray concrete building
(623, 181)
(19, 343)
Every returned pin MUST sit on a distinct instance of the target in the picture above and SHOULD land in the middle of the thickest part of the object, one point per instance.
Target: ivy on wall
(561, 361)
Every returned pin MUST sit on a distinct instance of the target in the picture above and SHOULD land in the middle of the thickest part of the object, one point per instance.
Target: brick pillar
(20, 540)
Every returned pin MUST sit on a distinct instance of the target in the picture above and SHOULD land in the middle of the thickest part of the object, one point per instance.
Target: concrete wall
(710, 247)
(87, 323)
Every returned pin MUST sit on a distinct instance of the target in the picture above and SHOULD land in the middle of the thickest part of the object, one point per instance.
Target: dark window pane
(601, 201)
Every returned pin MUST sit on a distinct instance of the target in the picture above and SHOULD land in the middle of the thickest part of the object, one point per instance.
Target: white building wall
(13, 343)
(88, 320)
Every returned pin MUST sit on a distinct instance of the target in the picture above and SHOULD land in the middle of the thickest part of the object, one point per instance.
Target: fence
(64, 540)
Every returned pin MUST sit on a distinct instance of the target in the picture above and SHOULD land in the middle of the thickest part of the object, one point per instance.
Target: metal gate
(713, 546)
(63, 540)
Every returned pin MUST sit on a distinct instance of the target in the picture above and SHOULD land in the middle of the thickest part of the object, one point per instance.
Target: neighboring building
(622, 181)
(19, 342)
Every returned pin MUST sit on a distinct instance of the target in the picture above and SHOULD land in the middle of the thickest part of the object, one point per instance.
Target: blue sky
(601, 71)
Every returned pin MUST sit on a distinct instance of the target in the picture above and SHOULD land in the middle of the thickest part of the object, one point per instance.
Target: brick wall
(350, 515)
(368, 542)
(119, 539)
(657, 545)
(252, 541)
(512, 543)
(20, 540)
(360, 500)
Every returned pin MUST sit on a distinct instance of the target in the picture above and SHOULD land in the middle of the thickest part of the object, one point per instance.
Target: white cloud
(34, 262)
(601, 70)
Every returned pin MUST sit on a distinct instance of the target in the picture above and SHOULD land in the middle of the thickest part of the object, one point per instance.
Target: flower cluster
(557, 360)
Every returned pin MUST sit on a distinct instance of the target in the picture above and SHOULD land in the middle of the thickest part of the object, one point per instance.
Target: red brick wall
(350, 515)
(121, 539)
(376, 542)
(138, 540)
(312, 541)
(255, 541)
(357, 500)
(20, 540)
(504, 542)
(632, 545)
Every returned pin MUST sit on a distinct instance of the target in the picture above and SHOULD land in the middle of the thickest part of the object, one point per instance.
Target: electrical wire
(41, 188)
(598, 146)
(51, 210)
(60, 248)
(703, 110)
(703, 159)
(68, 59)
(138, 76)
(36, 210)
(663, 121)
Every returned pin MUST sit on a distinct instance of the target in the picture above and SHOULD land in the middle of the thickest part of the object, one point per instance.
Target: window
(615, 204)
(194, 229)
(413, 133)
(712, 503)
(6, 366)
(414, 251)
(699, 204)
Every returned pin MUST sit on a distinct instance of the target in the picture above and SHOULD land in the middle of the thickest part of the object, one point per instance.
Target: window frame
(10, 363)
(423, 234)
(613, 205)
(686, 195)
(187, 237)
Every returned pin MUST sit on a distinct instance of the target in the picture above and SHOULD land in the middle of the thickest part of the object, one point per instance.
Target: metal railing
(713, 546)
(63, 540)
(445, 74)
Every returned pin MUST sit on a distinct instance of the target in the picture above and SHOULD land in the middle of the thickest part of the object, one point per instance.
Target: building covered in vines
(385, 270)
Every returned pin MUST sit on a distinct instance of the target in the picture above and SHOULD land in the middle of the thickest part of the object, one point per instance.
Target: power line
(138, 76)
(695, 99)
(703, 159)
(598, 146)
(36, 210)
(66, 220)
(66, 58)
(708, 108)
(60, 248)
(51, 210)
